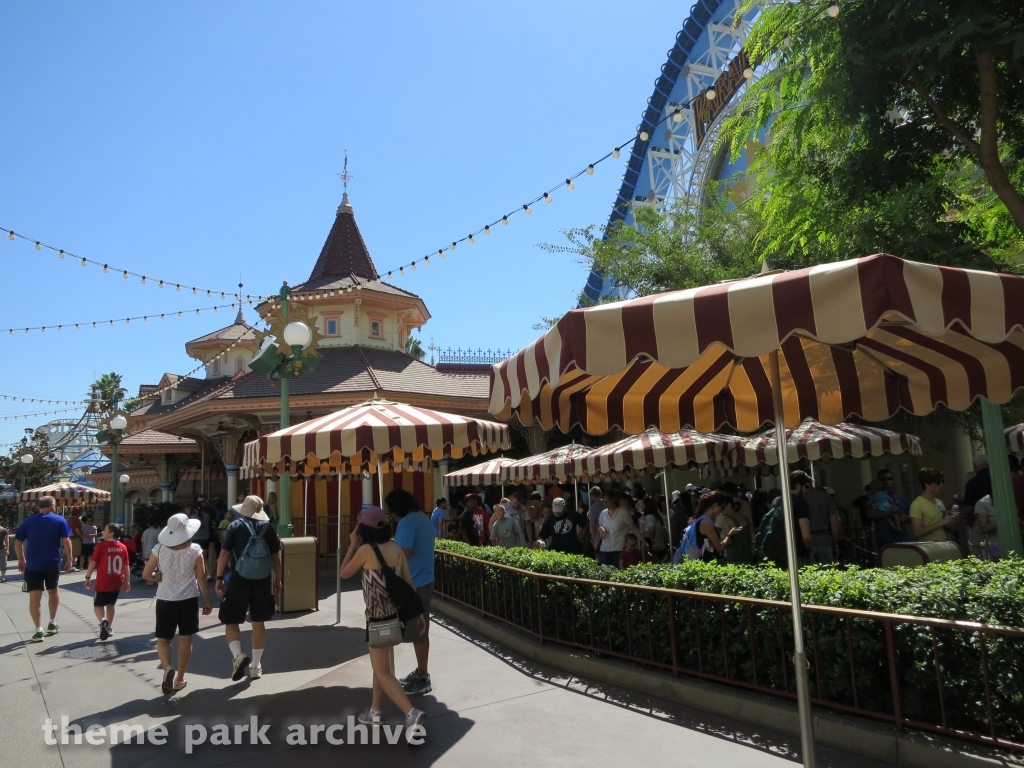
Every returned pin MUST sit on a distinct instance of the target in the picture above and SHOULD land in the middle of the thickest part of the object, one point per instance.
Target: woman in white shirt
(612, 527)
(985, 532)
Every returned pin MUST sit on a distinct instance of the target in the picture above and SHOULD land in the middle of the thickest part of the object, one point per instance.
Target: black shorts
(106, 598)
(247, 596)
(177, 615)
(36, 579)
(87, 550)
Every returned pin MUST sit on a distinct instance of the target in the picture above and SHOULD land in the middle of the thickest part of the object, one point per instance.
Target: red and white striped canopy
(371, 435)
(555, 465)
(491, 472)
(865, 337)
(83, 494)
(658, 450)
(1015, 438)
(815, 441)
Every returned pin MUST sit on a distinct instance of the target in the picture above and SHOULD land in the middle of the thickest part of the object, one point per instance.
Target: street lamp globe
(297, 334)
(27, 458)
(125, 479)
(118, 422)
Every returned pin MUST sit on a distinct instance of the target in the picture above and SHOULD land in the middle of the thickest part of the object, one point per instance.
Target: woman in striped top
(374, 528)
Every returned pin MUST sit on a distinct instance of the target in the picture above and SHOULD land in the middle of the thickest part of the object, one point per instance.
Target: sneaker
(168, 682)
(37, 637)
(370, 717)
(52, 628)
(255, 673)
(104, 629)
(418, 685)
(110, 632)
(238, 667)
(411, 677)
(415, 717)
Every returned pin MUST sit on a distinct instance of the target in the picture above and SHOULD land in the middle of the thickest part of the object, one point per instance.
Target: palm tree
(414, 348)
(108, 387)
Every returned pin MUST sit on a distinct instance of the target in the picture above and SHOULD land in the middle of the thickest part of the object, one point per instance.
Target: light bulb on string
(124, 275)
(528, 209)
(143, 280)
(94, 325)
(426, 260)
(58, 327)
(111, 323)
(832, 10)
(677, 116)
(177, 288)
(222, 295)
(710, 94)
(161, 317)
(615, 153)
(487, 230)
(105, 269)
(504, 221)
(453, 244)
(748, 73)
(470, 240)
(127, 321)
(209, 294)
(644, 136)
(145, 319)
(569, 185)
(440, 253)
(61, 254)
(197, 311)
(10, 235)
(84, 262)
(590, 170)
(179, 314)
(78, 327)
(547, 197)
(413, 266)
(216, 309)
(193, 291)
(38, 246)
(161, 285)
(401, 270)
(787, 42)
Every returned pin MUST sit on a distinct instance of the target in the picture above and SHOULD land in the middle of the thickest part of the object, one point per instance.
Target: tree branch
(941, 117)
(988, 154)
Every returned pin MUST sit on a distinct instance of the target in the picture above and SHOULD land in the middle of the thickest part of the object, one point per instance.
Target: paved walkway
(487, 707)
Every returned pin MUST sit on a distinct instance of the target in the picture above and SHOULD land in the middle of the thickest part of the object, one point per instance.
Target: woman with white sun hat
(180, 582)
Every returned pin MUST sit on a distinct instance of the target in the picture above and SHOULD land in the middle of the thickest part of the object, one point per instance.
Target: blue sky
(197, 141)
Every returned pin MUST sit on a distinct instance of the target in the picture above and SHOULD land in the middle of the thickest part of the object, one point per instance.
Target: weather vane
(345, 176)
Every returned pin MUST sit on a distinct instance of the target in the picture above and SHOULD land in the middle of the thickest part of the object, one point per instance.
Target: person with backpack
(770, 543)
(700, 539)
(391, 602)
(248, 578)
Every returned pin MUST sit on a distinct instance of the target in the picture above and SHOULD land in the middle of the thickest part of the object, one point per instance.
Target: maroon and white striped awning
(1015, 438)
(556, 465)
(815, 441)
(654, 449)
(489, 473)
(865, 337)
(371, 435)
(83, 494)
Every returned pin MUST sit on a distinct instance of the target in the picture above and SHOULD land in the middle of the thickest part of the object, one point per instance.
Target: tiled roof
(198, 387)
(344, 253)
(231, 333)
(150, 438)
(365, 369)
(328, 283)
(145, 390)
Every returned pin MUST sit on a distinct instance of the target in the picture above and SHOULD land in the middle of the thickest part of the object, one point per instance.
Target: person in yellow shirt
(927, 513)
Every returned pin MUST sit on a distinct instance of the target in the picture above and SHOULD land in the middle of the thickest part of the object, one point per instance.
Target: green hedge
(728, 640)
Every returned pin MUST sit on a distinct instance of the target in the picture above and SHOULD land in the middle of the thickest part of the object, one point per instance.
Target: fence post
(540, 612)
(672, 634)
(890, 646)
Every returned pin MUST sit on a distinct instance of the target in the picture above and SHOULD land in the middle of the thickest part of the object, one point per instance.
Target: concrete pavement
(488, 707)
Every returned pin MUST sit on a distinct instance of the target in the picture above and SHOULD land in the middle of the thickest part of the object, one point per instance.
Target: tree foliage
(414, 348)
(40, 472)
(111, 393)
(897, 126)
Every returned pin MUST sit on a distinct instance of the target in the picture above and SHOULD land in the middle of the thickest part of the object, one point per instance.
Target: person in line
(242, 596)
(630, 556)
(182, 581)
(109, 560)
(5, 544)
(270, 509)
(202, 537)
(437, 517)
(75, 522)
(652, 526)
(700, 540)
(373, 529)
(986, 529)
(740, 550)
(415, 535)
(505, 530)
(597, 506)
(89, 532)
(469, 532)
(927, 513)
(533, 517)
(40, 540)
(771, 533)
(826, 525)
(149, 540)
(613, 525)
(561, 530)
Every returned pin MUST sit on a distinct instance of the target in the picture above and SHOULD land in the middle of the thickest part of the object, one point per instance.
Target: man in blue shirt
(415, 534)
(437, 517)
(39, 541)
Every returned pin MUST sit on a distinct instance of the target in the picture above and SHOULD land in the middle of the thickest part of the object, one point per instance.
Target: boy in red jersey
(110, 562)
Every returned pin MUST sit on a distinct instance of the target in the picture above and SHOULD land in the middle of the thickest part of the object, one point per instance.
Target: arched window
(239, 364)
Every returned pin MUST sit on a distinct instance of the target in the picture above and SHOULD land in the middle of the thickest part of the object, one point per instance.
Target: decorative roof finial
(345, 177)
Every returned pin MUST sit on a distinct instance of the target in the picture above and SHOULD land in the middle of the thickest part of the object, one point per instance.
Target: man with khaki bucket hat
(248, 578)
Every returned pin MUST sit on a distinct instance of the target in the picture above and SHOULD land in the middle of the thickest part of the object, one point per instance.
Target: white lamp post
(298, 336)
(125, 479)
(117, 425)
(26, 459)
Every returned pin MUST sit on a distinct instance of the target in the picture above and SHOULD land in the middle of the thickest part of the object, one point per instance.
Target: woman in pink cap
(373, 529)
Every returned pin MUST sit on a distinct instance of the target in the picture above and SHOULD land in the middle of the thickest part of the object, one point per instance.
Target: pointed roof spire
(240, 318)
(344, 253)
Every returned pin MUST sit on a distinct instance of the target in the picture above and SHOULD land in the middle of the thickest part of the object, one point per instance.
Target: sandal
(167, 685)
(180, 684)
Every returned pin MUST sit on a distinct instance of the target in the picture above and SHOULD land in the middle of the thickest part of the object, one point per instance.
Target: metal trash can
(914, 553)
(298, 561)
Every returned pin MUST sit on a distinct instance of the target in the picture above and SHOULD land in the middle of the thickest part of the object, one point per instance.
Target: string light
(832, 11)
(748, 73)
(677, 115)
(528, 209)
(569, 185)
(440, 253)
(124, 275)
(61, 254)
(105, 269)
(11, 236)
(413, 265)
(84, 262)
(487, 230)
(453, 245)
(547, 197)
(161, 285)
(143, 281)
(644, 136)
(470, 240)
(426, 260)
(590, 170)
(144, 318)
(710, 94)
(504, 221)
(38, 246)
(615, 153)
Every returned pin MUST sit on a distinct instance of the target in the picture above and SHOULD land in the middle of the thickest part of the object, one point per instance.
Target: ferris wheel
(679, 157)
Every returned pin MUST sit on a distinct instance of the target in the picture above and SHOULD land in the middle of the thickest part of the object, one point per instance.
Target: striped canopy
(83, 494)
(658, 450)
(864, 337)
(489, 473)
(815, 441)
(371, 436)
(551, 466)
(1015, 438)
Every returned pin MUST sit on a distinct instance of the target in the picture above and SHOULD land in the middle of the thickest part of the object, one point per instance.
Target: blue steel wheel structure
(677, 159)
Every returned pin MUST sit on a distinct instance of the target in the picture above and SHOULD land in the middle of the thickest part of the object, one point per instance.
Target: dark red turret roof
(344, 254)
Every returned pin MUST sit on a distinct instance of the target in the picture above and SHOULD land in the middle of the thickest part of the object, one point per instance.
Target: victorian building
(188, 435)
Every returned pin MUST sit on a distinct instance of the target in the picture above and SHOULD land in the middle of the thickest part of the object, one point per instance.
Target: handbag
(407, 601)
(384, 633)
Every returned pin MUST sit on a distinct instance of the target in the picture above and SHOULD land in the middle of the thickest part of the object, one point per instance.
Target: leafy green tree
(40, 472)
(414, 348)
(898, 125)
(111, 393)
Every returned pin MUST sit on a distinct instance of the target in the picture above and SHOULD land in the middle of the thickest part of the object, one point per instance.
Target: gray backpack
(256, 562)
